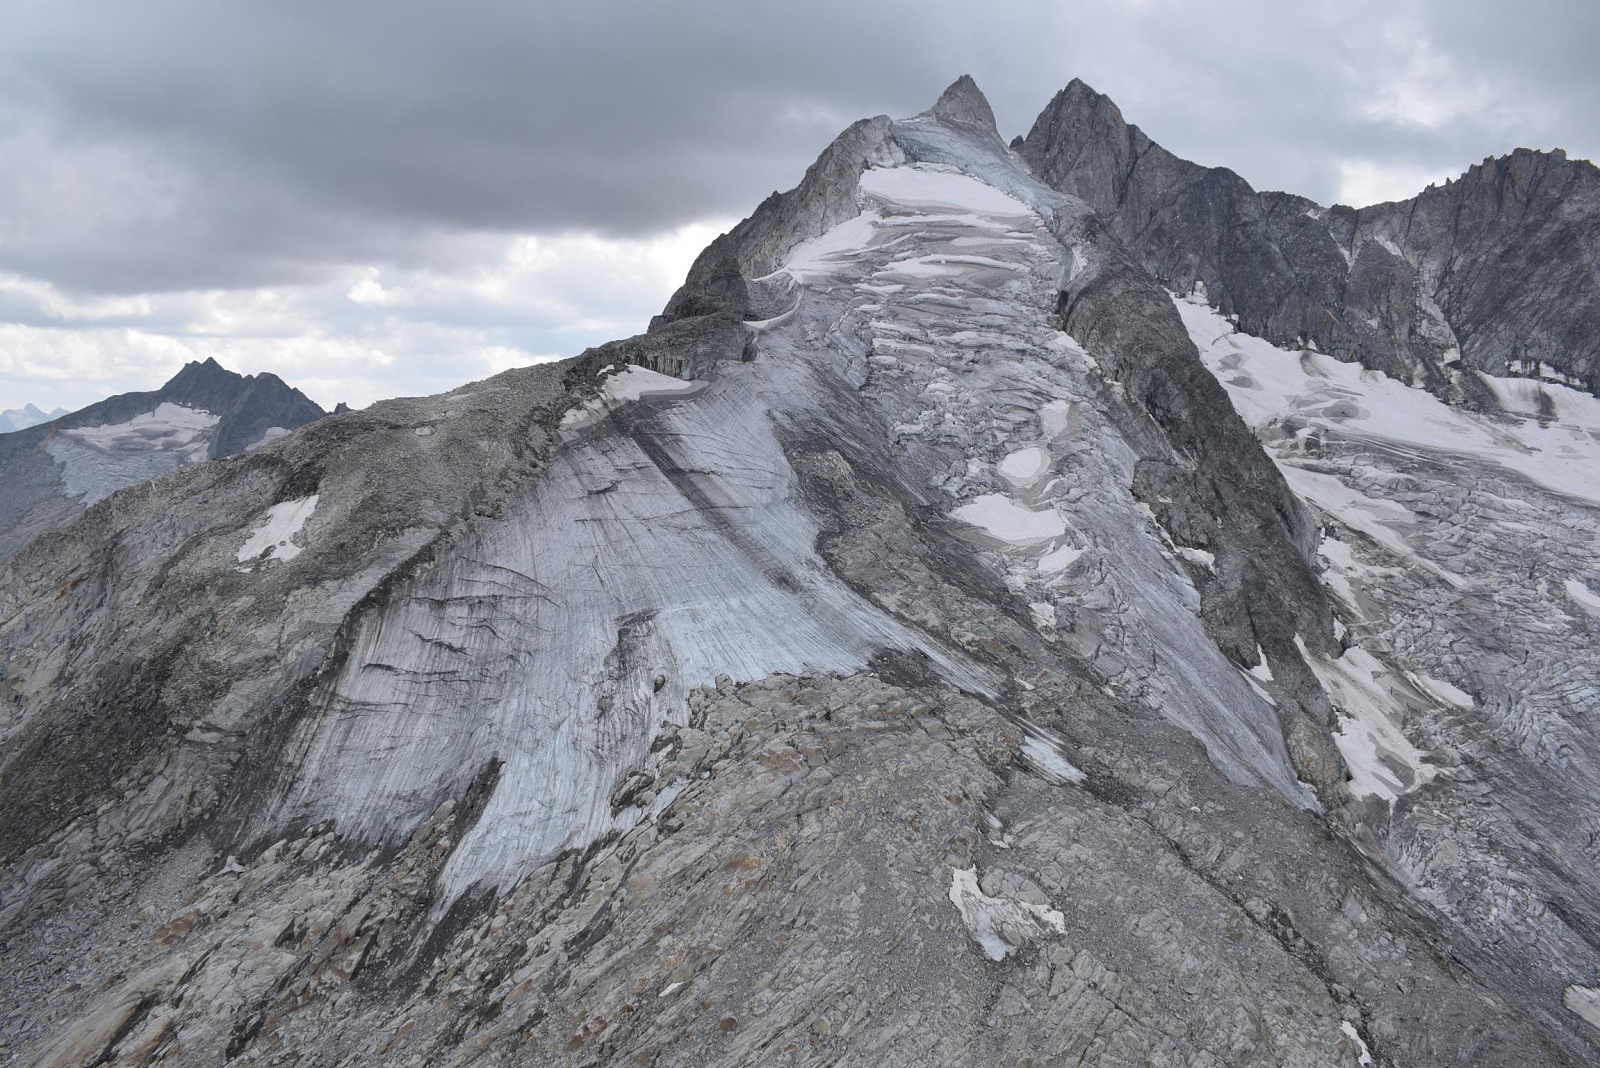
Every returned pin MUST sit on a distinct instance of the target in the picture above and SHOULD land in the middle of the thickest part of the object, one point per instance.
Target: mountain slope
(51, 471)
(1493, 272)
(904, 653)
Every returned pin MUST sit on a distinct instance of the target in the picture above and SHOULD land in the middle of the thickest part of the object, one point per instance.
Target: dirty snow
(1585, 598)
(1000, 926)
(1058, 560)
(924, 186)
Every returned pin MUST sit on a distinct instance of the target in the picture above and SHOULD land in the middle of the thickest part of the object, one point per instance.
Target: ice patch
(1201, 557)
(1023, 468)
(1044, 754)
(925, 187)
(636, 383)
(1583, 596)
(96, 461)
(275, 536)
(1378, 519)
(1003, 519)
(1383, 763)
(1585, 1001)
(1056, 419)
(1000, 926)
(939, 264)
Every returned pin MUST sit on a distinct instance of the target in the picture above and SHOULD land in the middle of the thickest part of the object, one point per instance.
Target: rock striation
(932, 642)
(53, 469)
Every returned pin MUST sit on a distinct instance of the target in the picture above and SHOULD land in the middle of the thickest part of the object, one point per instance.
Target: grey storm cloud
(177, 144)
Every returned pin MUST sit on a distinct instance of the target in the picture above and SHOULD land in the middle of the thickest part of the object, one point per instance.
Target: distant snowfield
(1551, 438)
(1267, 384)
(97, 461)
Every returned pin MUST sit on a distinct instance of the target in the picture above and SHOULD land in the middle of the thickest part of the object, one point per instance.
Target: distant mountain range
(24, 417)
(58, 464)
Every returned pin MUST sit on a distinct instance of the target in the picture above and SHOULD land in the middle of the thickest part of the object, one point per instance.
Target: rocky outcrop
(1493, 272)
(50, 472)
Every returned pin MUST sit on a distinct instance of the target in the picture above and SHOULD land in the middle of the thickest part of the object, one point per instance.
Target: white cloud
(1363, 182)
(369, 333)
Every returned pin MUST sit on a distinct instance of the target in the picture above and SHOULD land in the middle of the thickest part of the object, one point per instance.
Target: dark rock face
(1495, 269)
(957, 670)
(247, 404)
(50, 472)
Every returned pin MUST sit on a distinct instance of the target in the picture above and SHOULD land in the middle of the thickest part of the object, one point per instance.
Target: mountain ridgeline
(52, 470)
(1015, 605)
(1492, 272)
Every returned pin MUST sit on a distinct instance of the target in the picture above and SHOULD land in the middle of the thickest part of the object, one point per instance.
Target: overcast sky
(396, 197)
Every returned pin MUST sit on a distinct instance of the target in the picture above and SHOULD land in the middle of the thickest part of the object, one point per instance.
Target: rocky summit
(1018, 605)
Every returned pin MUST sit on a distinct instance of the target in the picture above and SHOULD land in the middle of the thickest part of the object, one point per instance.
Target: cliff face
(930, 643)
(52, 471)
(1493, 272)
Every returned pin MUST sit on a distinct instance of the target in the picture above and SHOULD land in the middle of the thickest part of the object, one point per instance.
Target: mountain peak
(201, 374)
(963, 102)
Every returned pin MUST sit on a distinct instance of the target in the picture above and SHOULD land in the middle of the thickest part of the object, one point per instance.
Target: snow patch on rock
(1363, 1055)
(274, 538)
(1000, 926)
(1044, 753)
(629, 384)
(1383, 762)
(1585, 1001)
